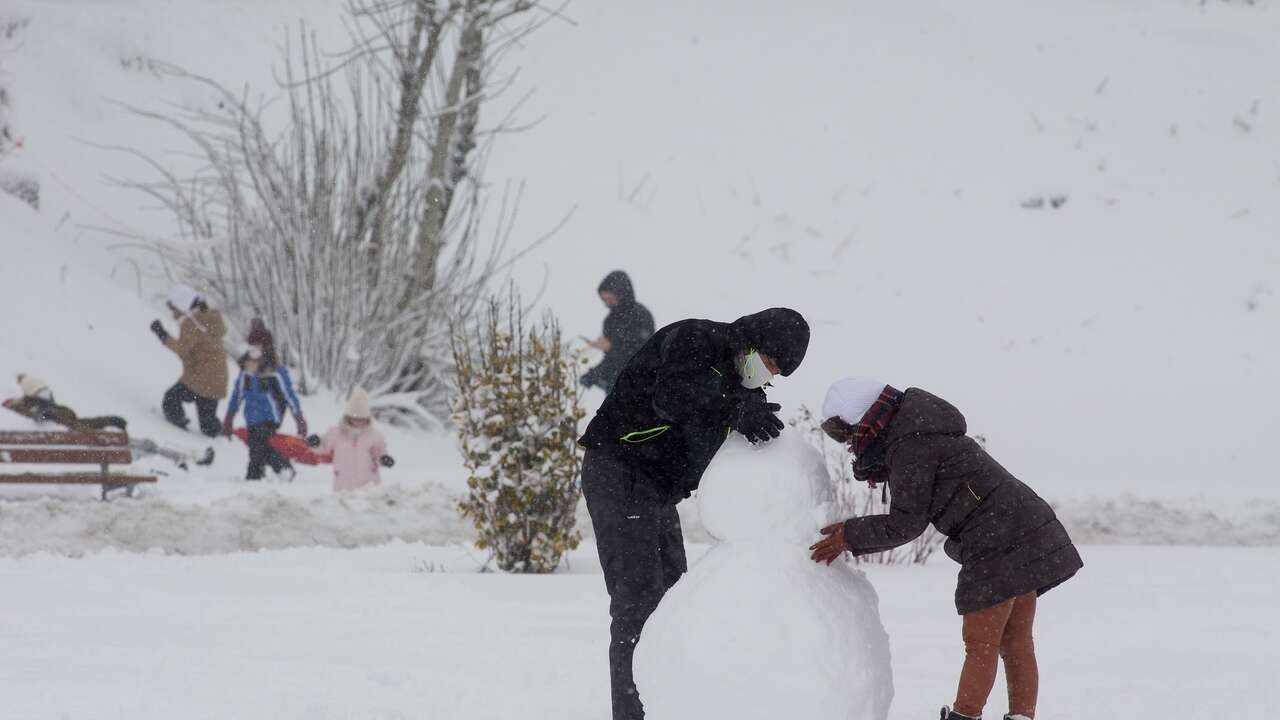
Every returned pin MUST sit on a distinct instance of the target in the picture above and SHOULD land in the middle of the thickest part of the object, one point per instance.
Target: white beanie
(358, 404)
(183, 297)
(31, 385)
(850, 399)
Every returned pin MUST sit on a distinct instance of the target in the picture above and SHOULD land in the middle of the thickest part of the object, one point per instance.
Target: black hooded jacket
(627, 327)
(1007, 539)
(672, 405)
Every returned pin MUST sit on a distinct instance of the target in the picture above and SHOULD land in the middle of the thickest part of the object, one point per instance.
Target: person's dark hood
(618, 283)
(922, 413)
(780, 333)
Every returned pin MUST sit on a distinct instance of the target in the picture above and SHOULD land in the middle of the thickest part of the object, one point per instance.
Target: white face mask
(753, 371)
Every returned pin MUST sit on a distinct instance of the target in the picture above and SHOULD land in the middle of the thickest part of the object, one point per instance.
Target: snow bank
(259, 521)
(1130, 520)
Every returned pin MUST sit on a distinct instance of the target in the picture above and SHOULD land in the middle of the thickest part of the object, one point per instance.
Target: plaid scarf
(868, 464)
(876, 419)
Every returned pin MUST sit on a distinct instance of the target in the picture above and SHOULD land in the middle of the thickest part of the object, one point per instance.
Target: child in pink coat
(356, 446)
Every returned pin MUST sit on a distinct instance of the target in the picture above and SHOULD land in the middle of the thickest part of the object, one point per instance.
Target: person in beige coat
(204, 363)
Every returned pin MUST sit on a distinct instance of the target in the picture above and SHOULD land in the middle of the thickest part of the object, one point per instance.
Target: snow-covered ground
(408, 631)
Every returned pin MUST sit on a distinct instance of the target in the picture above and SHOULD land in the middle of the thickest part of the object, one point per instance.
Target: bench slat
(88, 439)
(111, 456)
(75, 479)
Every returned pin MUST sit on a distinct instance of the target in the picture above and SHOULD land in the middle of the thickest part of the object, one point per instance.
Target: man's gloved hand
(387, 461)
(831, 547)
(757, 419)
(159, 331)
(313, 441)
(302, 426)
(226, 426)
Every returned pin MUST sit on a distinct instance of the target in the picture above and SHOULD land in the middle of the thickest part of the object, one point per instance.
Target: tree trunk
(452, 143)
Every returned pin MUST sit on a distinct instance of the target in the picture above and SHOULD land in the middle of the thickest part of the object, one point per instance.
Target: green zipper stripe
(640, 436)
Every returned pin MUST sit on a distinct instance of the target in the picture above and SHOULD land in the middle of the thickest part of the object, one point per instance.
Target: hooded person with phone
(626, 329)
(671, 408)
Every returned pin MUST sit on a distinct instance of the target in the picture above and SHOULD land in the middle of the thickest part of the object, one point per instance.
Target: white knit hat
(182, 297)
(31, 385)
(850, 399)
(358, 404)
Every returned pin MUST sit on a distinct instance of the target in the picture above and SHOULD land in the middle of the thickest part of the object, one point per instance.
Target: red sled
(290, 446)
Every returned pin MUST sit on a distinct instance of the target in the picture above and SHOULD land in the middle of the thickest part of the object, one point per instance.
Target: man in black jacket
(626, 328)
(671, 408)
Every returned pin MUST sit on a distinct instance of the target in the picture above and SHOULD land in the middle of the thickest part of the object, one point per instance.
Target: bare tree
(355, 229)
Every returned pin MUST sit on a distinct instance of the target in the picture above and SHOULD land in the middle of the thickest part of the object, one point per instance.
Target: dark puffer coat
(673, 403)
(1005, 537)
(627, 327)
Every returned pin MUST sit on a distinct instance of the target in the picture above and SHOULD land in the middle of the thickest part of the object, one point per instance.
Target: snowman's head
(773, 492)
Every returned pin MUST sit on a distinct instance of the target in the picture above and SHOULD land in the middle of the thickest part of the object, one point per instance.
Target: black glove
(313, 441)
(757, 419)
(387, 461)
(159, 330)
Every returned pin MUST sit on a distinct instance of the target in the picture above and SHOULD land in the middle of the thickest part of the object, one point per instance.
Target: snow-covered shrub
(516, 409)
(855, 499)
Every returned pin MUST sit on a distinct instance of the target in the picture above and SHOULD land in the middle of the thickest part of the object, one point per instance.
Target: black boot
(949, 714)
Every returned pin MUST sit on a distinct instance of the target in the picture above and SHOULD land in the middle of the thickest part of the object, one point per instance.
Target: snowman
(756, 629)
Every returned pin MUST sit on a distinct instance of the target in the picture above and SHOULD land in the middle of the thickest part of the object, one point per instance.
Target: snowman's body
(756, 629)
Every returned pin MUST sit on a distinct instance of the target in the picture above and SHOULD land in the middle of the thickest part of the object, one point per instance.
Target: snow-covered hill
(867, 163)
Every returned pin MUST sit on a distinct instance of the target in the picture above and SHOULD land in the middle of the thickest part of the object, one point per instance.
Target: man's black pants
(642, 555)
(261, 453)
(206, 409)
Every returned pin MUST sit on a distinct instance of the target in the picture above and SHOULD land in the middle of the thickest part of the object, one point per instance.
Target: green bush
(516, 409)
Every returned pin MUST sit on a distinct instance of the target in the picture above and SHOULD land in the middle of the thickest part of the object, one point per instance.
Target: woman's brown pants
(1001, 631)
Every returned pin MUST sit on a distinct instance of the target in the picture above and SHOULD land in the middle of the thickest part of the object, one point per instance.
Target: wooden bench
(70, 448)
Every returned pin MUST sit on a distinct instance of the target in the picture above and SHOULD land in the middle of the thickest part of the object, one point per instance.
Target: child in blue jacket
(266, 390)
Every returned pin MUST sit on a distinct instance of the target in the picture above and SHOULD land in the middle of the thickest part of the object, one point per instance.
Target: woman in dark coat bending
(1010, 545)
